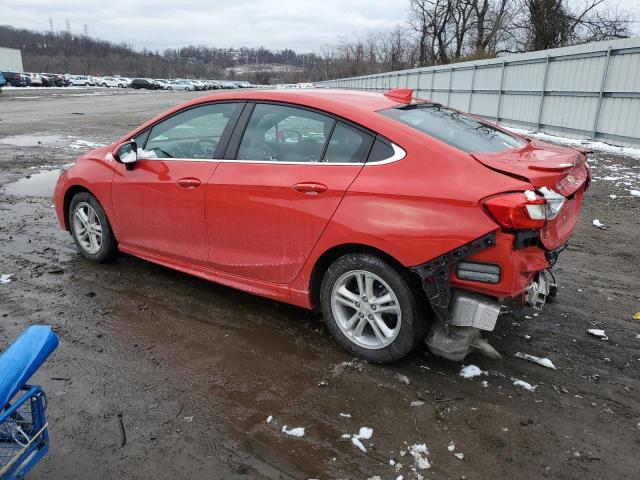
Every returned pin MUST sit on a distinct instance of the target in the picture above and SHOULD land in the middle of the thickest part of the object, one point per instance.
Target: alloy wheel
(87, 228)
(366, 309)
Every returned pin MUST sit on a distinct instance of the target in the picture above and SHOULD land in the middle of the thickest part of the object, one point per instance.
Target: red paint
(263, 226)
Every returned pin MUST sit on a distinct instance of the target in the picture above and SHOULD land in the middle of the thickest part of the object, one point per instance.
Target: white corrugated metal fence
(587, 91)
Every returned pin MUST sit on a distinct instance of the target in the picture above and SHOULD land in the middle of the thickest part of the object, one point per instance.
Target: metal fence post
(605, 72)
(433, 74)
(542, 92)
(500, 93)
(450, 83)
(473, 82)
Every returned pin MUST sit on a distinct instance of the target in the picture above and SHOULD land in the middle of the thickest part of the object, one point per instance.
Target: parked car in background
(16, 79)
(163, 84)
(198, 85)
(182, 85)
(36, 79)
(82, 80)
(2, 82)
(403, 220)
(111, 82)
(145, 83)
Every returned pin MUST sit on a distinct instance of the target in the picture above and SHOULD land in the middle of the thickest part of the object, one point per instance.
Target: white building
(10, 60)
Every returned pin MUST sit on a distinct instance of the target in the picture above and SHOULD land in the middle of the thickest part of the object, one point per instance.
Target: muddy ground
(196, 369)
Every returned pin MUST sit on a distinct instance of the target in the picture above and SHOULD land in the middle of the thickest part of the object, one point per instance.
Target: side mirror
(127, 154)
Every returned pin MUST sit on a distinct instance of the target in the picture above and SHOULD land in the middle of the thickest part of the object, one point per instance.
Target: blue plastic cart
(24, 438)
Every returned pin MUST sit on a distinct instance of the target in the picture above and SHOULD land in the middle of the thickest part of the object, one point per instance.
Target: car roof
(322, 98)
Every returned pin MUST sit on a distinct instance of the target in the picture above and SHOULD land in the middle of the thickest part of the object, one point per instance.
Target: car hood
(562, 169)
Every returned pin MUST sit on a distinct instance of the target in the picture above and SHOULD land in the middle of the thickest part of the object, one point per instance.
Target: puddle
(33, 140)
(37, 185)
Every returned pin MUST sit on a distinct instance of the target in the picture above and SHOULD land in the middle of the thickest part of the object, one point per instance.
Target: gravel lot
(196, 369)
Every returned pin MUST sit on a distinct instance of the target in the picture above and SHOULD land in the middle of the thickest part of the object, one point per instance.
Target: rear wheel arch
(327, 258)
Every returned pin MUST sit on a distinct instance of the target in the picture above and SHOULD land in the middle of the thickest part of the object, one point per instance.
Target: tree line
(435, 32)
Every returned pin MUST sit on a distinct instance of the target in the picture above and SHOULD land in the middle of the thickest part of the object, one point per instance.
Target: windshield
(454, 128)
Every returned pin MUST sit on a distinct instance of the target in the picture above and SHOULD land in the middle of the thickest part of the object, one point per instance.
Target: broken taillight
(524, 210)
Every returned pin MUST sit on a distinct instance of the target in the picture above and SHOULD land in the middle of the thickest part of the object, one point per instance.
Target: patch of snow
(392, 462)
(459, 455)
(598, 224)
(545, 362)
(417, 403)
(470, 371)
(484, 384)
(597, 332)
(85, 144)
(402, 378)
(270, 419)
(419, 452)
(613, 197)
(6, 277)
(365, 432)
(451, 447)
(524, 385)
(635, 193)
(294, 432)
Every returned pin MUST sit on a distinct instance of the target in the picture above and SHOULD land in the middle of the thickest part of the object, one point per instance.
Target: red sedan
(404, 221)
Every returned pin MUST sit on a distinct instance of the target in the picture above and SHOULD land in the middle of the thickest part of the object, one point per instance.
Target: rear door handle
(310, 188)
(188, 182)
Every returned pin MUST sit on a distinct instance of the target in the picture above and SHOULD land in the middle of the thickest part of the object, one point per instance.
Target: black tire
(109, 246)
(413, 309)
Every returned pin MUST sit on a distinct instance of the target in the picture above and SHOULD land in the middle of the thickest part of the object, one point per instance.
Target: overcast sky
(302, 25)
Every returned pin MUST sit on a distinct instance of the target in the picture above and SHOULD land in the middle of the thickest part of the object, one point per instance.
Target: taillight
(525, 210)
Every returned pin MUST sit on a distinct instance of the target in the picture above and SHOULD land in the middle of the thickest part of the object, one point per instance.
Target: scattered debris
(524, 385)
(598, 224)
(597, 332)
(545, 362)
(636, 316)
(188, 419)
(470, 371)
(345, 415)
(6, 277)
(484, 384)
(451, 447)
(270, 419)
(365, 433)
(417, 403)
(123, 433)
(613, 197)
(402, 378)
(419, 453)
(294, 432)
(459, 455)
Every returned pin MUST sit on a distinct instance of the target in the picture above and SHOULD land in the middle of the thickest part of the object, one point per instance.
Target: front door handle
(188, 182)
(310, 188)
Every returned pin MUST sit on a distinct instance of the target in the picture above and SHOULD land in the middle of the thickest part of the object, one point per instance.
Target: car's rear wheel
(372, 309)
(91, 229)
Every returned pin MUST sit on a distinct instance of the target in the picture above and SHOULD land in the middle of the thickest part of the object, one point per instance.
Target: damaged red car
(403, 220)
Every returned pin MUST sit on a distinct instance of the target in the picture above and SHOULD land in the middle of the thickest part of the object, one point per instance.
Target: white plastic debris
(524, 385)
(345, 415)
(597, 332)
(613, 197)
(188, 419)
(419, 452)
(470, 371)
(294, 432)
(451, 447)
(365, 433)
(417, 403)
(598, 224)
(270, 419)
(545, 362)
(6, 277)
(484, 384)
(459, 455)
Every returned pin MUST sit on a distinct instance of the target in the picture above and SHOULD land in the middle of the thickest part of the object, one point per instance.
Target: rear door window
(348, 145)
(454, 128)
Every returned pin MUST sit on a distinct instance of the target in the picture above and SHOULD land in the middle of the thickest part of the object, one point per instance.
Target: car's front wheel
(372, 308)
(91, 229)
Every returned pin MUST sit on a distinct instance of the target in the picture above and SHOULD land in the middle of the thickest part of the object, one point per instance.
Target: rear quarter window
(454, 128)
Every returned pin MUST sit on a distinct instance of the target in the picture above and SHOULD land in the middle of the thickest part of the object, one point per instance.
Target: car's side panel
(260, 227)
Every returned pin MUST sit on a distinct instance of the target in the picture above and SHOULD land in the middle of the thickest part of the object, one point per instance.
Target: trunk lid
(561, 169)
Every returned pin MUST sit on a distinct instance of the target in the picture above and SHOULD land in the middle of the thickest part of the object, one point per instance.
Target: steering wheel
(203, 148)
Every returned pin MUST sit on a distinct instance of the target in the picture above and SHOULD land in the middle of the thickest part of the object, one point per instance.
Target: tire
(108, 246)
(405, 316)
(86, 85)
